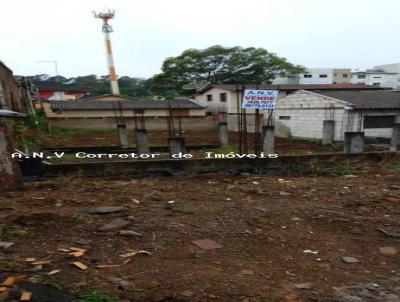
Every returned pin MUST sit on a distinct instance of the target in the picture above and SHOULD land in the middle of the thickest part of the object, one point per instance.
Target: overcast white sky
(313, 33)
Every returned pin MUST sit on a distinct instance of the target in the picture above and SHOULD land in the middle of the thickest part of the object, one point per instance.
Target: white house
(301, 113)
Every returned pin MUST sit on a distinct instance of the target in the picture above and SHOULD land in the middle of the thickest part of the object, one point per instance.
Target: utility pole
(107, 29)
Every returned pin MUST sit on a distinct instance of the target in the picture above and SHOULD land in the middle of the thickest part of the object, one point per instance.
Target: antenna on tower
(107, 29)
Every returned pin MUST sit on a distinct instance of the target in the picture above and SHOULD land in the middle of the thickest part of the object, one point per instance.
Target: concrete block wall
(307, 112)
(152, 124)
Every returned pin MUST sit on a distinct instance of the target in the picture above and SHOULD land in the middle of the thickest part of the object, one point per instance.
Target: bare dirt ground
(106, 138)
(283, 238)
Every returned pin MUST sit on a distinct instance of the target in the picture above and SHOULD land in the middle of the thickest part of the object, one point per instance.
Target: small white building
(301, 113)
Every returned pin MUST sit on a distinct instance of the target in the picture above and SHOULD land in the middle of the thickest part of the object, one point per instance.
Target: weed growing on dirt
(344, 168)
(393, 166)
(3, 229)
(21, 233)
(95, 296)
(48, 280)
(81, 217)
(245, 255)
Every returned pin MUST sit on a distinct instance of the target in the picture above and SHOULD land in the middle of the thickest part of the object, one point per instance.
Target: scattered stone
(293, 297)
(207, 244)
(247, 272)
(131, 217)
(283, 193)
(124, 285)
(390, 233)
(115, 224)
(387, 250)
(296, 219)
(187, 293)
(135, 201)
(306, 285)
(129, 233)
(396, 187)
(350, 260)
(100, 210)
(350, 176)
(5, 244)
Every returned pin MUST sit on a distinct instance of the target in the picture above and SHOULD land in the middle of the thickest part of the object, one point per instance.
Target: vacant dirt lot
(80, 137)
(283, 238)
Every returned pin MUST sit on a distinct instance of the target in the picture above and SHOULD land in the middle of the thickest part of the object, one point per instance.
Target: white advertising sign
(259, 99)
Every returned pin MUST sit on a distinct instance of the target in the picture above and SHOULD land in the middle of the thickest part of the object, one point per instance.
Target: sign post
(259, 99)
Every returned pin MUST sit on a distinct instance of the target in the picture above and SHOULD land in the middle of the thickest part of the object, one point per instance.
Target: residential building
(104, 112)
(301, 113)
(318, 76)
(226, 97)
(377, 77)
(60, 92)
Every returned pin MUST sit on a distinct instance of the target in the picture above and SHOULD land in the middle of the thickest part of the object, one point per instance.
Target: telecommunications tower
(107, 29)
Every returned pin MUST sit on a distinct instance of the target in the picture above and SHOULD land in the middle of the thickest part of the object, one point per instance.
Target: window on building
(379, 121)
(377, 77)
(361, 76)
(284, 117)
(209, 97)
(308, 75)
(376, 84)
(323, 75)
(345, 75)
(222, 97)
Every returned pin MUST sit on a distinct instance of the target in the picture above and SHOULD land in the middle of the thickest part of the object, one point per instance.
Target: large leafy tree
(222, 65)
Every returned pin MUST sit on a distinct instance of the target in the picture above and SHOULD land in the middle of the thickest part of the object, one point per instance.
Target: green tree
(222, 65)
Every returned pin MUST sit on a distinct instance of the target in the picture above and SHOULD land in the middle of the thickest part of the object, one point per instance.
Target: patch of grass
(82, 217)
(20, 233)
(344, 168)
(95, 296)
(310, 266)
(393, 166)
(245, 255)
(61, 132)
(48, 280)
(3, 229)
(184, 211)
(227, 193)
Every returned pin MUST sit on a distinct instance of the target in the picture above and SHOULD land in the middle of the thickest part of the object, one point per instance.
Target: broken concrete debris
(5, 244)
(100, 210)
(350, 259)
(129, 233)
(390, 233)
(388, 250)
(207, 244)
(114, 224)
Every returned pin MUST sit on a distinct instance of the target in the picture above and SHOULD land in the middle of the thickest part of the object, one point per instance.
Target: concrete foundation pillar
(176, 145)
(122, 135)
(395, 142)
(10, 173)
(223, 134)
(328, 132)
(268, 139)
(142, 141)
(353, 142)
